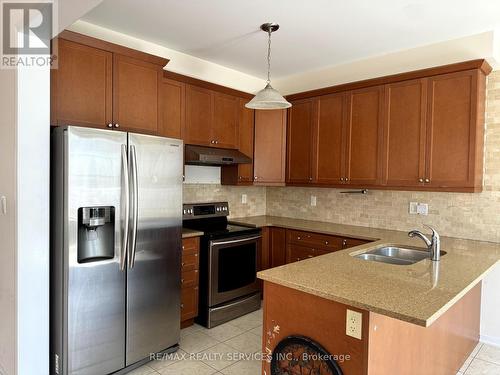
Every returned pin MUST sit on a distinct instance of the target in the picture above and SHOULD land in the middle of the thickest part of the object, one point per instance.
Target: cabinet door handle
(310, 256)
(420, 180)
(344, 242)
(182, 305)
(110, 126)
(117, 126)
(255, 178)
(326, 242)
(310, 178)
(298, 237)
(427, 180)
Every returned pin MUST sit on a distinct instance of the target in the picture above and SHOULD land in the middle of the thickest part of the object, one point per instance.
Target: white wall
(490, 308)
(8, 259)
(33, 164)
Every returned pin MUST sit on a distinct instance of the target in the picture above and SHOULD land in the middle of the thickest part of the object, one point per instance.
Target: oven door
(233, 268)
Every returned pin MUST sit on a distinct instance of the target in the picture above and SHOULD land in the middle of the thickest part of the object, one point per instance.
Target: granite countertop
(187, 233)
(419, 293)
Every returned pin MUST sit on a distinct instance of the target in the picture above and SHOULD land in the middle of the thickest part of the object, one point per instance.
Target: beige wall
(256, 197)
(475, 216)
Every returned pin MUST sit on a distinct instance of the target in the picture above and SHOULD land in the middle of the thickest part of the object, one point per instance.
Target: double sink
(399, 255)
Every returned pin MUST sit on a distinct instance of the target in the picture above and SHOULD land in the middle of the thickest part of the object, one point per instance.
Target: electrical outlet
(423, 209)
(244, 198)
(353, 324)
(412, 208)
(313, 200)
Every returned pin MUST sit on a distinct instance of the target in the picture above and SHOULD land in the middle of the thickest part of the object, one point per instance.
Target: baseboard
(490, 340)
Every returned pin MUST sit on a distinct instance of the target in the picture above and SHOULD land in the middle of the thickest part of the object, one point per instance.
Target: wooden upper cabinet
(135, 94)
(364, 136)
(81, 87)
(199, 116)
(246, 136)
(101, 84)
(171, 108)
(301, 118)
(225, 123)
(329, 148)
(455, 130)
(270, 147)
(242, 174)
(404, 133)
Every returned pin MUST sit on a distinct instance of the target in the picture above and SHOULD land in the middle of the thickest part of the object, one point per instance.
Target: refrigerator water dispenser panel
(96, 234)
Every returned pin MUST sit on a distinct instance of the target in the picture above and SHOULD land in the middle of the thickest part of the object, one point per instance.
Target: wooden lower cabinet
(387, 345)
(277, 246)
(301, 245)
(189, 280)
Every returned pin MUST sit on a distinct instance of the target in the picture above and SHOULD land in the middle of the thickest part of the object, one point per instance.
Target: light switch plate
(353, 326)
(313, 200)
(412, 208)
(244, 198)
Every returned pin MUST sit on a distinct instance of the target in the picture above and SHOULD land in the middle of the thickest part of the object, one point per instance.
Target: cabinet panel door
(301, 124)
(277, 246)
(171, 105)
(246, 136)
(364, 136)
(451, 130)
(135, 94)
(199, 116)
(404, 133)
(189, 303)
(81, 88)
(330, 132)
(270, 147)
(225, 125)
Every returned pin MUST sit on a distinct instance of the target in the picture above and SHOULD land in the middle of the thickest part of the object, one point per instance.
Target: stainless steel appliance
(229, 260)
(115, 249)
(202, 155)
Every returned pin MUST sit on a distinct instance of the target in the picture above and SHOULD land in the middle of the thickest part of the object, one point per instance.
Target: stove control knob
(218, 209)
(184, 211)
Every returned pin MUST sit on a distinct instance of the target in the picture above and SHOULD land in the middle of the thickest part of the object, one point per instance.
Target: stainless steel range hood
(200, 155)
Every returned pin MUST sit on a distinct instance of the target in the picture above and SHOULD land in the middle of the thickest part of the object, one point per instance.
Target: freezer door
(153, 277)
(94, 286)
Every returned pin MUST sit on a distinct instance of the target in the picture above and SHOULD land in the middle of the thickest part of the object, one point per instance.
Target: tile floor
(222, 348)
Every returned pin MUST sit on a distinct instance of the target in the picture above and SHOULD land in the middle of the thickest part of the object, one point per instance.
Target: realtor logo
(26, 33)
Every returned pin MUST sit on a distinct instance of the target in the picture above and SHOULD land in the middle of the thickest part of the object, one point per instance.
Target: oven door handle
(213, 243)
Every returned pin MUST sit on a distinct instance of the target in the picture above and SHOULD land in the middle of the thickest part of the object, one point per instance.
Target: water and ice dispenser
(96, 234)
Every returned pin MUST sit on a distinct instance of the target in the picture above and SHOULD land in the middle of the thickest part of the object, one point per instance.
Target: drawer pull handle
(326, 242)
(182, 281)
(182, 305)
(298, 237)
(310, 256)
(183, 247)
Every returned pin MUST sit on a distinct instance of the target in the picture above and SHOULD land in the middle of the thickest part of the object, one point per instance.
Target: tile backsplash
(256, 197)
(464, 215)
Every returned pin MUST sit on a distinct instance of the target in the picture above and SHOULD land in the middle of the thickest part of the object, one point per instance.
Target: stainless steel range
(229, 258)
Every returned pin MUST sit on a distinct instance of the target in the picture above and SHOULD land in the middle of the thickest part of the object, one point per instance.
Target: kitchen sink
(400, 255)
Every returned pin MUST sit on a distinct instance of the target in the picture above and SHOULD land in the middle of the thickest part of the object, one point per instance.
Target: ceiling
(313, 34)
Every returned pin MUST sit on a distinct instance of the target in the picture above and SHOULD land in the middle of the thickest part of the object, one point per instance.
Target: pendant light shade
(268, 98)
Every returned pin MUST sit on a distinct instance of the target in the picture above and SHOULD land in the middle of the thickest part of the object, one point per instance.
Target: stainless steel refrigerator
(115, 249)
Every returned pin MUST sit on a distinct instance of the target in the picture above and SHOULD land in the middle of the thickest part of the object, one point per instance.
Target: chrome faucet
(433, 245)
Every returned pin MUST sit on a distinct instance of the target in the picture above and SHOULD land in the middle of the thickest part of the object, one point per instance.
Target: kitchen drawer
(296, 253)
(189, 278)
(318, 240)
(189, 303)
(190, 244)
(351, 242)
(190, 261)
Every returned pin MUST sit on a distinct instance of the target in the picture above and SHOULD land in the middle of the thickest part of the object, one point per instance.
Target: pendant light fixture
(268, 98)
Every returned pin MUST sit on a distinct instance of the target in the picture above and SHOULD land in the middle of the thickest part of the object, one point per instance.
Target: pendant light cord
(269, 58)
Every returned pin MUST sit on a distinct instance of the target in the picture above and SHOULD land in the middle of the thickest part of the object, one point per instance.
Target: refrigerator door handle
(126, 190)
(135, 206)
